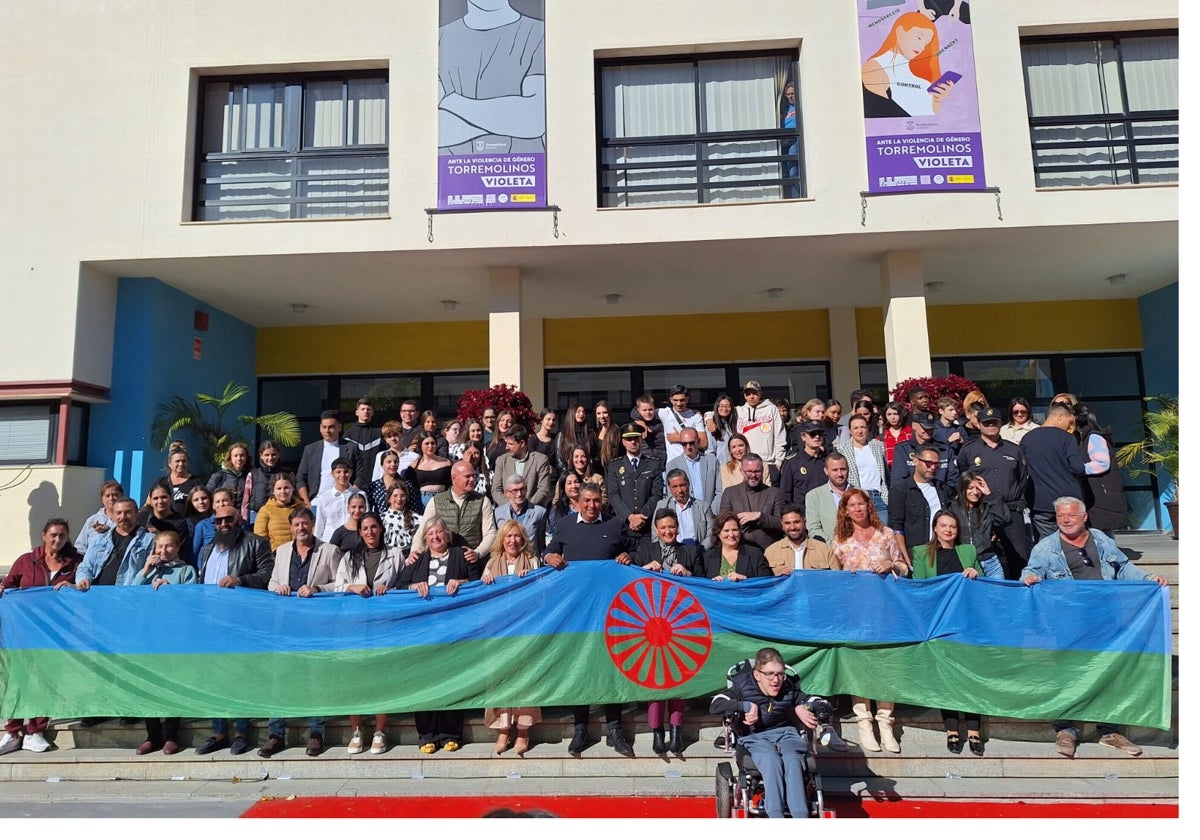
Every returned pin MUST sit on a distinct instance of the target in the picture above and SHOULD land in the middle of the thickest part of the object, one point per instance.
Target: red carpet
(683, 807)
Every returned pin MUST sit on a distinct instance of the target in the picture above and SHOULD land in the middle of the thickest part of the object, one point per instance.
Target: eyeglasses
(224, 520)
(1083, 555)
(771, 675)
(814, 434)
(1017, 411)
(928, 463)
(689, 443)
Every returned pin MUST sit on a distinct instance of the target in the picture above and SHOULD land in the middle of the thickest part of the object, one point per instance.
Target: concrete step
(1024, 767)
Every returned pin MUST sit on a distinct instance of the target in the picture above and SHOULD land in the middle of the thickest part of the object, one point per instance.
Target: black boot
(616, 740)
(580, 740)
(676, 746)
(660, 748)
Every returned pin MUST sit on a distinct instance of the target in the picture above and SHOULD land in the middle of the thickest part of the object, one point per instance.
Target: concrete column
(905, 326)
(843, 353)
(515, 354)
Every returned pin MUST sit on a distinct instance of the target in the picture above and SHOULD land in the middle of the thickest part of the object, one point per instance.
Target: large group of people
(741, 491)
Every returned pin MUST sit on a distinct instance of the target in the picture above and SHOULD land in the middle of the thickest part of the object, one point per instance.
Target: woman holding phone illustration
(904, 77)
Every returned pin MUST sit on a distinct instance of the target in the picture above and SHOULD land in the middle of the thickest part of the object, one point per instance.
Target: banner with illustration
(491, 105)
(920, 101)
(594, 632)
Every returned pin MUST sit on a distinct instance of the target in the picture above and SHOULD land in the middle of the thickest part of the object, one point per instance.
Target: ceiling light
(934, 286)
(1116, 279)
(299, 308)
(612, 299)
(775, 294)
(449, 305)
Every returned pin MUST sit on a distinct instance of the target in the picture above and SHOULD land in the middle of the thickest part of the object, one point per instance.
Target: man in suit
(304, 566)
(821, 503)
(797, 550)
(316, 464)
(635, 485)
(701, 467)
(757, 506)
(694, 517)
(915, 500)
(534, 467)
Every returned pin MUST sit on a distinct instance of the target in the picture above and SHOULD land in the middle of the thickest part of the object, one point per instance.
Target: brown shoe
(1119, 742)
(274, 744)
(1065, 743)
(316, 744)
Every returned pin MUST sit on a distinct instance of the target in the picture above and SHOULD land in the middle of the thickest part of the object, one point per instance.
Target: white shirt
(329, 510)
(909, 91)
(329, 454)
(798, 550)
(935, 504)
(869, 476)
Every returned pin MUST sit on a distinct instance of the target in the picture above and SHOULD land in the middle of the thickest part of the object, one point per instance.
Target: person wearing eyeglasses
(1020, 420)
(806, 469)
(923, 426)
(771, 723)
(913, 502)
(701, 467)
(1073, 551)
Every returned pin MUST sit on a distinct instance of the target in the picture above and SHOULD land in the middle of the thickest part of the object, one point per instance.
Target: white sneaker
(36, 742)
(10, 743)
(378, 743)
(356, 743)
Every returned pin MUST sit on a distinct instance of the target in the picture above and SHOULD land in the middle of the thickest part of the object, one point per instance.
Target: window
(293, 147)
(29, 433)
(699, 131)
(1104, 110)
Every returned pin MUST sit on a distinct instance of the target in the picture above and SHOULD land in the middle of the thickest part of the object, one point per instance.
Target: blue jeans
(880, 505)
(220, 726)
(992, 567)
(779, 755)
(278, 726)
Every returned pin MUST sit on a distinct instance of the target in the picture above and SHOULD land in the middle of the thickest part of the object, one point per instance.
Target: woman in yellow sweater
(272, 520)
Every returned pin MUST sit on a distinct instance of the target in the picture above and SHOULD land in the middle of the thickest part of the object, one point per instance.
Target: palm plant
(204, 416)
(1159, 450)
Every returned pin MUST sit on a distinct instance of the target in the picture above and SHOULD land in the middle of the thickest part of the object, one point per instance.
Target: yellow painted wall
(358, 348)
(1058, 327)
(686, 339)
(1064, 326)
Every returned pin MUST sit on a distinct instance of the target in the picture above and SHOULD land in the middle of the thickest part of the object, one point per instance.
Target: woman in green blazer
(946, 554)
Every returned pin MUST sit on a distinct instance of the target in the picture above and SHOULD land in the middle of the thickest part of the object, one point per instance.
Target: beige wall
(32, 495)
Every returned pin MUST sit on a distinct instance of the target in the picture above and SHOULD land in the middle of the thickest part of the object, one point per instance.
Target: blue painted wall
(1159, 312)
(153, 360)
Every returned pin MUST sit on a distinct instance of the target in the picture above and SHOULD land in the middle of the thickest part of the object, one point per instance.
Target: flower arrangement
(500, 397)
(936, 387)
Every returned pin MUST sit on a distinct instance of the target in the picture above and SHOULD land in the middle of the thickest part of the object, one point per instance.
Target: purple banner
(491, 105)
(920, 101)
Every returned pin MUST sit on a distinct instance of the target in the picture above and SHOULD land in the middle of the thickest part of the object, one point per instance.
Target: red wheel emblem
(657, 633)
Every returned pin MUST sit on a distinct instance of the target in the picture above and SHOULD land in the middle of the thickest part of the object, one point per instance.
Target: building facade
(254, 193)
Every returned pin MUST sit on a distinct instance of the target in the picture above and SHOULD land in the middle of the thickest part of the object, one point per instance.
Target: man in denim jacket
(1076, 552)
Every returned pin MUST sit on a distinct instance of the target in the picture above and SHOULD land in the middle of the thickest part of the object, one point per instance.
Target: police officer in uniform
(635, 486)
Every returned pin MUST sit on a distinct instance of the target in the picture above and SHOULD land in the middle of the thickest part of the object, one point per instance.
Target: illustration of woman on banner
(492, 80)
(904, 77)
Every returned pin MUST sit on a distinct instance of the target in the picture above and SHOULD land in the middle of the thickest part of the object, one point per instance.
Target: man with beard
(234, 558)
(758, 507)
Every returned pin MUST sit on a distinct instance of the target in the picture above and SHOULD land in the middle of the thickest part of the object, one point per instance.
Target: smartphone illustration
(948, 76)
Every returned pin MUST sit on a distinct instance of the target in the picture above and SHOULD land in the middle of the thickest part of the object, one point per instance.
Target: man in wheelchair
(767, 705)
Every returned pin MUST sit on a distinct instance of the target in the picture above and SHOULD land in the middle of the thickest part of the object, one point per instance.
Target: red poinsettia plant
(500, 397)
(937, 387)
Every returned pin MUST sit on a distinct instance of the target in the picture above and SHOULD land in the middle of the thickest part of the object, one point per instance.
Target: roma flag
(594, 632)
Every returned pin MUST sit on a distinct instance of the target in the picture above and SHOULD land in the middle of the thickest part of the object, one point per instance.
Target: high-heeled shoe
(502, 742)
(521, 745)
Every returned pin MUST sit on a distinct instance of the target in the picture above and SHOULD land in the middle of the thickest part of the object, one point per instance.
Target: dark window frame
(701, 138)
(1125, 119)
(293, 149)
(76, 457)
